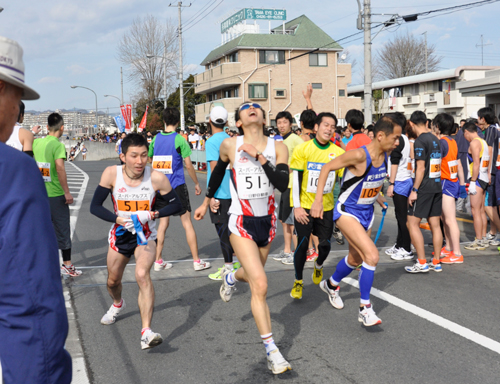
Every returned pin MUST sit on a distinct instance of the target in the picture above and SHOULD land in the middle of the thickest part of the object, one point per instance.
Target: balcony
(203, 110)
(409, 100)
(219, 77)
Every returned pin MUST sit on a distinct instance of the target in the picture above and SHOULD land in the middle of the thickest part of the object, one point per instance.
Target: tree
(146, 36)
(191, 99)
(405, 56)
(346, 57)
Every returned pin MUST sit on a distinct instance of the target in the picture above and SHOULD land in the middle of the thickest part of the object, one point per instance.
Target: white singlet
(14, 141)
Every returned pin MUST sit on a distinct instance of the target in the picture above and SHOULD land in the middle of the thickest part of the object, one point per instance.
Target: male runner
(425, 199)
(21, 139)
(50, 155)
(219, 204)
(259, 164)
(133, 189)
(118, 146)
(355, 121)
(284, 121)
(364, 174)
(479, 159)
(33, 319)
(167, 151)
(307, 161)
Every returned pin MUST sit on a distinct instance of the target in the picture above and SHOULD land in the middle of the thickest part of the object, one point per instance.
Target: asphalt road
(437, 327)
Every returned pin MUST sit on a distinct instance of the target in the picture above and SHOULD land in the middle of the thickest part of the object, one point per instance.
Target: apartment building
(273, 69)
(432, 93)
(487, 86)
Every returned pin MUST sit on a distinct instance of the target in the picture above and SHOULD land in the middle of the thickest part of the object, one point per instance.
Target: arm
(396, 156)
(214, 204)
(162, 185)
(300, 214)
(101, 193)
(419, 176)
(192, 175)
(392, 179)
(26, 138)
(61, 174)
(307, 95)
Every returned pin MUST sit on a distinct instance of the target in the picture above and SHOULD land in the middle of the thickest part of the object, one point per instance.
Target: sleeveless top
(449, 163)
(128, 200)
(252, 194)
(484, 161)
(361, 192)
(405, 164)
(14, 141)
(167, 160)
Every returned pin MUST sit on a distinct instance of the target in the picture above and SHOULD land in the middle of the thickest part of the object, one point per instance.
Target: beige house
(273, 70)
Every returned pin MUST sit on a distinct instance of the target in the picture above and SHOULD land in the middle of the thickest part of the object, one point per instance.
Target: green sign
(252, 14)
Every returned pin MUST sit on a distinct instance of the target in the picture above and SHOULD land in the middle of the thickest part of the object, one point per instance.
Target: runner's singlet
(167, 160)
(484, 161)
(405, 166)
(14, 141)
(449, 163)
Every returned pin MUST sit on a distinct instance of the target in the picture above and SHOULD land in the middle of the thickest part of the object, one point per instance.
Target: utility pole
(165, 74)
(121, 73)
(426, 61)
(181, 72)
(482, 49)
(366, 16)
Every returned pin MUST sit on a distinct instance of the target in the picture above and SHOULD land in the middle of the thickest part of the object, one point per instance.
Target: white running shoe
(277, 363)
(288, 259)
(391, 250)
(150, 339)
(280, 256)
(113, 312)
(402, 254)
(417, 267)
(333, 296)
(226, 290)
(201, 265)
(162, 265)
(368, 317)
(492, 239)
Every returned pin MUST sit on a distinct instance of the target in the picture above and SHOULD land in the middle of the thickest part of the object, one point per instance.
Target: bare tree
(346, 57)
(405, 56)
(147, 36)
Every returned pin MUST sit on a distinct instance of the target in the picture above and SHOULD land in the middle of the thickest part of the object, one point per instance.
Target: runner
(284, 120)
(425, 200)
(84, 152)
(355, 121)
(167, 152)
(118, 146)
(21, 139)
(259, 164)
(132, 188)
(307, 161)
(219, 204)
(479, 161)
(50, 155)
(401, 183)
(366, 169)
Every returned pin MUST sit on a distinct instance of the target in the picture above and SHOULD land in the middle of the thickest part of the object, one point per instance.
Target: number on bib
(435, 168)
(45, 171)
(253, 183)
(163, 164)
(453, 165)
(133, 205)
(369, 192)
(314, 170)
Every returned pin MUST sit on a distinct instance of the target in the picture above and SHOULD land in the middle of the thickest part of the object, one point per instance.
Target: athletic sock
(343, 269)
(144, 330)
(268, 342)
(119, 305)
(159, 261)
(330, 285)
(230, 279)
(229, 266)
(363, 306)
(366, 276)
(424, 261)
(318, 266)
(435, 262)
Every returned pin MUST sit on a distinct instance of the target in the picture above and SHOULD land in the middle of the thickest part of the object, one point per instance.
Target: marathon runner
(366, 169)
(307, 161)
(21, 139)
(133, 189)
(259, 164)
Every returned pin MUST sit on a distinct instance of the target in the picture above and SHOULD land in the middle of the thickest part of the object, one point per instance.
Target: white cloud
(76, 69)
(191, 68)
(445, 36)
(49, 80)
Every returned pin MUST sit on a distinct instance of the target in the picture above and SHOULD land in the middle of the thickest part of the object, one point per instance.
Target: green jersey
(47, 151)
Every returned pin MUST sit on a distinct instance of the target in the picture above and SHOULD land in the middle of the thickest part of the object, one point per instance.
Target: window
(257, 91)
(227, 94)
(411, 90)
(318, 60)
(233, 57)
(236, 92)
(317, 85)
(341, 92)
(272, 57)
(280, 93)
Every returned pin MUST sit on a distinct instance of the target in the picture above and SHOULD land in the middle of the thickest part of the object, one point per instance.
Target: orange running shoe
(452, 259)
(444, 252)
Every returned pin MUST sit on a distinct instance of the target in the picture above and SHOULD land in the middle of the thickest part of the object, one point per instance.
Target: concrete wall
(95, 151)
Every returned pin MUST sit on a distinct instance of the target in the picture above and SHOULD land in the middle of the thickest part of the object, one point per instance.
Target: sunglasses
(248, 105)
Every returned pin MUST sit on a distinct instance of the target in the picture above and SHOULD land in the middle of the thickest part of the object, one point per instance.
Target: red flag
(129, 116)
(142, 126)
(125, 118)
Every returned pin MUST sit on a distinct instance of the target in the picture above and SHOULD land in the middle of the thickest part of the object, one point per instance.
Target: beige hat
(12, 67)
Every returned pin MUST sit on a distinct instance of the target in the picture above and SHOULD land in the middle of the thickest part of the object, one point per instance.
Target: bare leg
(437, 236)
(160, 237)
(361, 246)
(190, 235)
(492, 213)
(417, 239)
(145, 256)
(116, 263)
(476, 202)
(451, 229)
(288, 234)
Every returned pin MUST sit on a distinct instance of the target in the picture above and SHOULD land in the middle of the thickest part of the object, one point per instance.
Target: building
(273, 69)
(432, 93)
(487, 86)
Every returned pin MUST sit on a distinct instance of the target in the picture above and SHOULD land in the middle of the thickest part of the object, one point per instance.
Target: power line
(213, 9)
(200, 11)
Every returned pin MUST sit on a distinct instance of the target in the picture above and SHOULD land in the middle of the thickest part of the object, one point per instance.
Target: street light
(116, 97)
(79, 86)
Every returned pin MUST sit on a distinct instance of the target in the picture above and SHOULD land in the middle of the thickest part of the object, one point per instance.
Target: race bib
(497, 164)
(314, 170)
(163, 164)
(369, 192)
(435, 169)
(253, 183)
(453, 165)
(133, 205)
(409, 165)
(484, 165)
(45, 171)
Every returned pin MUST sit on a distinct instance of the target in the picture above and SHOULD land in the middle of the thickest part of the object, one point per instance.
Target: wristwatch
(257, 155)
(414, 189)
(391, 183)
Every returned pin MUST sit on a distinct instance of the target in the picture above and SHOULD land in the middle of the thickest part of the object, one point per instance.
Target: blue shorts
(363, 216)
(451, 188)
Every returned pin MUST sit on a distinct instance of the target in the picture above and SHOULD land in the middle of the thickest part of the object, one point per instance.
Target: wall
(95, 151)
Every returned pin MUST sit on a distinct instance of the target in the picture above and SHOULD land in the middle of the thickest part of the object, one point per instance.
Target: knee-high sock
(343, 269)
(365, 282)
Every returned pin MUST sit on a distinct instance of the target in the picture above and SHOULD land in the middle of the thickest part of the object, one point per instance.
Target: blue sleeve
(212, 151)
(444, 147)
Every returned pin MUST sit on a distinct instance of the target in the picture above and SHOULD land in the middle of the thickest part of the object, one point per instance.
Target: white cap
(12, 67)
(218, 115)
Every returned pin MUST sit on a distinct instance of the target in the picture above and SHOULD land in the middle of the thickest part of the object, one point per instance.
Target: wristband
(391, 183)
(415, 190)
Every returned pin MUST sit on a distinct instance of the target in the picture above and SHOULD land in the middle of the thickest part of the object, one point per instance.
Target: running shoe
(312, 257)
(337, 235)
(417, 267)
(288, 260)
(317, 275)
(484, 242)
(280, 256)
(452, 259)
(217, 276)
(476, 245)
(277, 363)
(492, 239)
(297, 290)
(333, 295)
(444, 252)
(368, 317)
(392, 250)
(435, 267)
(201, 265)
(70, 270)
(150, 339)
(113, 312)
(162, 264)
(236, 266)
(226, 290)
(402, 254)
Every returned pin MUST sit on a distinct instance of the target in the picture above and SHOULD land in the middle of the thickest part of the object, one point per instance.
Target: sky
(75, 43)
